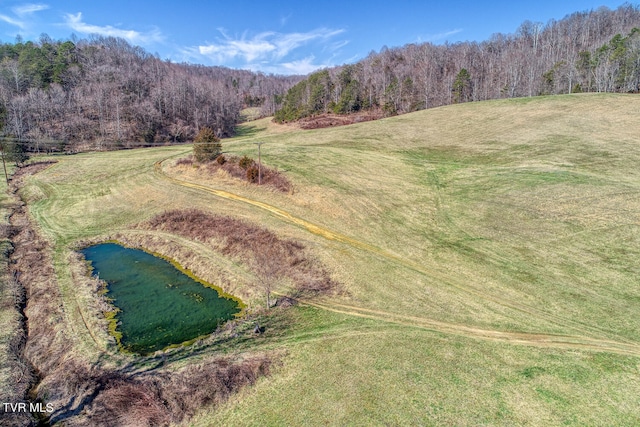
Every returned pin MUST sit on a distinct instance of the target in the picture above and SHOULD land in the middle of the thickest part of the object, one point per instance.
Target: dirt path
(580, 341)
(531, 339)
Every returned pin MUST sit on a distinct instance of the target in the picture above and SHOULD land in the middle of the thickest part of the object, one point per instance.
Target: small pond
(158, 305)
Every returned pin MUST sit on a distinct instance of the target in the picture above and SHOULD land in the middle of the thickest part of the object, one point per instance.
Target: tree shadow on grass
(245, 131)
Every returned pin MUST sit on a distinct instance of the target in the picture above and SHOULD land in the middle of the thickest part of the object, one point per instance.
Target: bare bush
(154, 399)
(330, 120)
(244, 169)
(246, 162)
(188, 161)
(129, 403)
(213, 382)
(276, 179)
(252, 174)
(20, 374)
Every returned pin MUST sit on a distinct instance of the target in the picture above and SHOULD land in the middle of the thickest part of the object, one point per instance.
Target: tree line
(590, 51)
(103, 93)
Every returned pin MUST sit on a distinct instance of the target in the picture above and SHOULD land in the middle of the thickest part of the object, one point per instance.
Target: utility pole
(259, 162)
(4, 165)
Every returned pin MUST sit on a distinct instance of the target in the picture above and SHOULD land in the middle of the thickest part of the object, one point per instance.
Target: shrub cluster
(152, 398)
(246, 162)
(188, 161)
(155, 400)
(246, 168)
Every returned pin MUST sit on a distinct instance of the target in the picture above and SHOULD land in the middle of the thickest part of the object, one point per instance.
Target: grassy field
(487, 256)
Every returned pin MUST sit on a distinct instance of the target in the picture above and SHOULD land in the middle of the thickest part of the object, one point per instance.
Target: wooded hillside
(105, 93)
(591, 51)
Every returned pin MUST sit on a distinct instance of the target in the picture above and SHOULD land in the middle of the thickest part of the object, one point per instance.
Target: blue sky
(283, 37)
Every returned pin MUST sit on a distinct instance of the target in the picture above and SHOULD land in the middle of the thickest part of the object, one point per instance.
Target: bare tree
(593, 50)
(267, 265)
(102, 90)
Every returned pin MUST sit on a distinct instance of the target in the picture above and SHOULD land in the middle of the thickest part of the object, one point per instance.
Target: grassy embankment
(487, 254)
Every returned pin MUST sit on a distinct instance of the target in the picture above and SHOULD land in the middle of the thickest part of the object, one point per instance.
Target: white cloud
(75, 23)
(338, 45)
(302, 66)
(28, 9)
(267, 47)
(12, 21)
(287, 42)
(22, 17)
(442, 36)
(285, 19)
(298, 67)
(256, 48)
(22, 12)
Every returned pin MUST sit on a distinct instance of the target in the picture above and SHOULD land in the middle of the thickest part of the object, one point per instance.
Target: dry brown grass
(331, 120)
(153, 398)
(19, 373)
(233, 166)
(211, 383)
(45, 351)
(32, 267)
(251, 245)
(15, 374)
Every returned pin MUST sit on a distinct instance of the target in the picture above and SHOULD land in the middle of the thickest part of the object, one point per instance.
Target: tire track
(623, 346)
(560, 341)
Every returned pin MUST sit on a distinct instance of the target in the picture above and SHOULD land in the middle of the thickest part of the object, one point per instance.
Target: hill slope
(486, 253)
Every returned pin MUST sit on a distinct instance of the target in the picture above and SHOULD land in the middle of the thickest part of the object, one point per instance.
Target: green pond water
(158, 304)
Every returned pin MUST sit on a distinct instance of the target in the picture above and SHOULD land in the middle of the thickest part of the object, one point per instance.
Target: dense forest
(591, 51)
(105, 93)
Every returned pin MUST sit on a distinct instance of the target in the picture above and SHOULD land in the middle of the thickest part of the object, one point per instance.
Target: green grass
(515, 216)
(400, 376)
